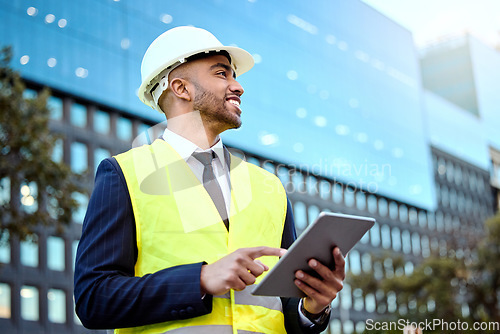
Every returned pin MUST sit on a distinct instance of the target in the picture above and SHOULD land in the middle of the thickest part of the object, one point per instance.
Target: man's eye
(223, 73)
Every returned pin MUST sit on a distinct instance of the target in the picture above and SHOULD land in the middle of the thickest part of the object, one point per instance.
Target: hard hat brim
(241, 61)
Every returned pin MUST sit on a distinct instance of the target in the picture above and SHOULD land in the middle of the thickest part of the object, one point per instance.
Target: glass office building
(340, 105)
(325, 77)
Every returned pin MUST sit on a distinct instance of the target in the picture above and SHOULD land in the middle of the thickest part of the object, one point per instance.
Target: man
(177, 232)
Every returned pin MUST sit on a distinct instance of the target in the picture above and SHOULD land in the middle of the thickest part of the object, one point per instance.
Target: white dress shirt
(185, 148)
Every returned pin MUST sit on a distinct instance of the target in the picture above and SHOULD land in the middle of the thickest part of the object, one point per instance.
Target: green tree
(450, 288)
(35, 190)
(485, 279)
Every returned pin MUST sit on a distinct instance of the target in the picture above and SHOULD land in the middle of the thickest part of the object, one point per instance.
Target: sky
(431, 19)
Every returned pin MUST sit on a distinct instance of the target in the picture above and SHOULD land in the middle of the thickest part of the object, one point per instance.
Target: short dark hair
(202, 55)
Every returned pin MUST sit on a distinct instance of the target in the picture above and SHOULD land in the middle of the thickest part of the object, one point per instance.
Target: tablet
(317, 241)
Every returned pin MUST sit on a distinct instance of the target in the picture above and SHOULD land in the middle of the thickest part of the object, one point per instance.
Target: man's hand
(321, 292)
(235, 270)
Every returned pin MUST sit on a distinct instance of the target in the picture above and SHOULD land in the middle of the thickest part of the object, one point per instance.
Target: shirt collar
(186, 148)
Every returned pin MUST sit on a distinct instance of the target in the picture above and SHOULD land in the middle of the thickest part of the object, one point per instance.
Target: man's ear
(181, 89)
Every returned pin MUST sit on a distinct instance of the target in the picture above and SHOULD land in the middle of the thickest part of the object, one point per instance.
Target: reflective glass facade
(29, 303)
(452, 124)
(5, 308)
(335, 88)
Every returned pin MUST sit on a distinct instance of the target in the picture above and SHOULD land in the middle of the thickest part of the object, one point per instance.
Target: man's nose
(236, 88)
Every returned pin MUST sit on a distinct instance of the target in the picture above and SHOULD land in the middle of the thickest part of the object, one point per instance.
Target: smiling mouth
(234, 102)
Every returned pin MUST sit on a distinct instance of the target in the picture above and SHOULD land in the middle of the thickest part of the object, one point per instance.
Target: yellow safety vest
(177, 223)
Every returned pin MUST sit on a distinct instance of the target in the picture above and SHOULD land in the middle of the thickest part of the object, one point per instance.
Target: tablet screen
(317, 241)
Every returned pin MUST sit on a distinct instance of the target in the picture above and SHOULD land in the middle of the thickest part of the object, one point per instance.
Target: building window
(269, 166)
(403, 213)
(406, 241)
(431, 221)
(57, 151)
(79, 214)
(284, 176)
(439, 221)
(336, 325)
(338, 195)
(388, 268)
(29, 303)
(4, 190)
(78, 115)
(348, 327)
(382, 207)
(453, 199)
(99, 155)
(311, 184)
(444, 196)
(458, 175)
(345, 297)
(461, 202)
(450, 172)
(101, 122)
(378, 271)
(422, 218)
(426, 247)
(29, 194)
(372, 204)
(55, 106)
(396, 239)
(360, 200)
(480, 183)
(409, 267)
(360, 327)
(393, 210)
(4, 248)
(349, 196)
(391, 302)
(324, 189)
(5, 301)
(370, 304)
(297, 181)
(124, 129)
(55, 253)
(448, 223)
(386, 236)
(354, 262)
(441, 167)
(79, 159)
(313, 213)
(57, 306)
(413, 216)
(29, 252)
(29, 94)
(416, 244)
(299, 213)
(366, 262)
(253, 161)
(472, 181)
(375, 235)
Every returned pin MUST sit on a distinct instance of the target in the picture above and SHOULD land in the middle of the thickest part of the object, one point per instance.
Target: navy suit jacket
(107, 295)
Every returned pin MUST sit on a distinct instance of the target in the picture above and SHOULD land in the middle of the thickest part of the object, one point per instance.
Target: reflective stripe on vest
(177, 223)
(212, 329)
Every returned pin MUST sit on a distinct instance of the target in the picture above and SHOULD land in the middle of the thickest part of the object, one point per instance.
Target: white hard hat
(171, 49)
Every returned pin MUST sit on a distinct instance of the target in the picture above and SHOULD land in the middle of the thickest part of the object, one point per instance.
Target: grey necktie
(211, 185)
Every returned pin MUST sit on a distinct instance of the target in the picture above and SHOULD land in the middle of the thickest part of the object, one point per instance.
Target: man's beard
(213, 109)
